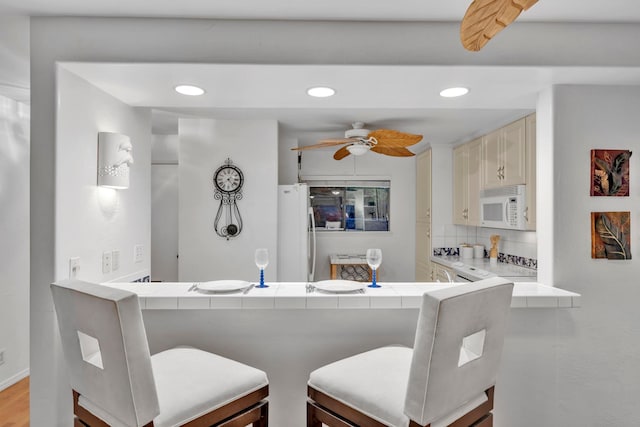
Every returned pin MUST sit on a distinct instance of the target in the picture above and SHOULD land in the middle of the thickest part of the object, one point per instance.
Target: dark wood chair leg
(264, 416)
(312, 420)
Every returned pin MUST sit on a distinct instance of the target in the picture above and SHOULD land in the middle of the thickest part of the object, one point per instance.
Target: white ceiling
(404, 98)
(376, 10)
(400, 97)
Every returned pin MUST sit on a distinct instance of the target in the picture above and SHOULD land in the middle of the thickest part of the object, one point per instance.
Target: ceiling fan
(486, 18)
(358, 141)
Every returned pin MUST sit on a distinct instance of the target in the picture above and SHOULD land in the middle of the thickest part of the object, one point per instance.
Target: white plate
(339, 285)
(223, 285)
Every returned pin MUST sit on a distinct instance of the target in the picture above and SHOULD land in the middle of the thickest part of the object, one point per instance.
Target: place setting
(339, 286)
(222, 287)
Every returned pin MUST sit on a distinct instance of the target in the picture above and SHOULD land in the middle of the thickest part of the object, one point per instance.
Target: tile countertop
(291, 295)
(481, 268)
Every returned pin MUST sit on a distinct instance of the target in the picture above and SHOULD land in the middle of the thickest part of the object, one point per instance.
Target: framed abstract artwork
(610, 172)
(611, 235)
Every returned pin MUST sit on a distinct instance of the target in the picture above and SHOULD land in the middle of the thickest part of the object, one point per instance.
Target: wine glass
(374, 259)
(262, 260)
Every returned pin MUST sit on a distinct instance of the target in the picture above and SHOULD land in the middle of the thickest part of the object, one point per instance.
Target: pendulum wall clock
(227, 181)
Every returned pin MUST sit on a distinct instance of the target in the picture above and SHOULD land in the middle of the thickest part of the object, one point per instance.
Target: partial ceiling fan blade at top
(394, 138)
(392, 151)
(486, 18)
(341, 153)
(325, 143)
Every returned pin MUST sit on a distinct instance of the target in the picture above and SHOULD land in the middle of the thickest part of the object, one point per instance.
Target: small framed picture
(610, 172)
(611, 235)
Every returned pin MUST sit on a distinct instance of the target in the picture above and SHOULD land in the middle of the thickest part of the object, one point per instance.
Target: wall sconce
(114, 160)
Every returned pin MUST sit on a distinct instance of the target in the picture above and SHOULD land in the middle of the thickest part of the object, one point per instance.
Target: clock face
(228, 179)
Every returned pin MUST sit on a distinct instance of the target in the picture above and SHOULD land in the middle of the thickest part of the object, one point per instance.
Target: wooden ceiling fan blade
(486, 18)
(341, 153)
(394, 138)
(325, 143)
(392, 151)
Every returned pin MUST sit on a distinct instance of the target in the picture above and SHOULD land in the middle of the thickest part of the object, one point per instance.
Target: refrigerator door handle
(312, 243)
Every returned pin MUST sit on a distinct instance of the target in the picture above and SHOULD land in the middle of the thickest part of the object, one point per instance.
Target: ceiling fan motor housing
(358, 131)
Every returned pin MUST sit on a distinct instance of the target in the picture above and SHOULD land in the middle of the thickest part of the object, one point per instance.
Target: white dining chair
(116, 382)
(447, 379)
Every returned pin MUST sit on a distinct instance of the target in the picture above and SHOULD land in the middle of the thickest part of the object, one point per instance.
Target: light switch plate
(106, 262)
(138, 253)
(74, 267)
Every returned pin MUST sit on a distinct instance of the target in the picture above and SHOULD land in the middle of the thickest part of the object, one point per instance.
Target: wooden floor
(14, 405)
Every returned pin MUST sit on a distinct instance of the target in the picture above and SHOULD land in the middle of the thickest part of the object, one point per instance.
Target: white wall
(164, 206)
(134, 40)
(14, 54)
(398, 245)
(604, 351)
(87, 220)
(585, 361)
(164, 223)
(204, 146)
(14, 232)
(91, 220)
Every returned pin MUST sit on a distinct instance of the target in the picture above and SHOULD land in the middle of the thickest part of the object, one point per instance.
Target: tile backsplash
(515, 247)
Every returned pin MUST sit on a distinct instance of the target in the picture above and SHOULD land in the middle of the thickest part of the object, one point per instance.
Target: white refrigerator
(296, 234)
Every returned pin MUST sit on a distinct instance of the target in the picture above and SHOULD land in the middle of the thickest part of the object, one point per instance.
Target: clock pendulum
(228, 180)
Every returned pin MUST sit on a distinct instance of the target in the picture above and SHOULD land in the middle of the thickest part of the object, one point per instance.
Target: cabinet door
(474, 175)
(423, 243)
(423, 184)
(491, 170)
(423, 217)
(530, 209)
(460, 185)
(513, 153)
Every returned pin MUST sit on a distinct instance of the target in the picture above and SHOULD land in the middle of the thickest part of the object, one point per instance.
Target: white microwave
(503, 207)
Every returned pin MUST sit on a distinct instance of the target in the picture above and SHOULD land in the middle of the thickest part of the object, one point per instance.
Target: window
(350, 205)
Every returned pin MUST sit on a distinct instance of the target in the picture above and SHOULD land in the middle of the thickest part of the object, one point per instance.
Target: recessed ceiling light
(321, 92)
(453, 92)
(189, 90)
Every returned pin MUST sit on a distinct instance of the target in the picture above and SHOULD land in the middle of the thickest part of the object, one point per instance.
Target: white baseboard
(14, 379)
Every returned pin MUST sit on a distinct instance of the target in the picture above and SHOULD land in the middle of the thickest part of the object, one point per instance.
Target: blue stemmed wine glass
(374, 259)
(262, 260)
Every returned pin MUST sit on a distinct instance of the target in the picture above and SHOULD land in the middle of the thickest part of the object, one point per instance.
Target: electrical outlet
(115, 260)
(106, 262)
(74, 267)
(2, 359)
(138, 253)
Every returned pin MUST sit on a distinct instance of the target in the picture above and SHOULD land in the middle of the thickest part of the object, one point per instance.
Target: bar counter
(290, 295)
(288, 332)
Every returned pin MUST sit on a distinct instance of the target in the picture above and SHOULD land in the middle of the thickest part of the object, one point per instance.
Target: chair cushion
(374, 383)
(192, 382)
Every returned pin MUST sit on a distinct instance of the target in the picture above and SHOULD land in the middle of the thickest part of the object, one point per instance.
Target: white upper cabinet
(504, 156)
(467, 169)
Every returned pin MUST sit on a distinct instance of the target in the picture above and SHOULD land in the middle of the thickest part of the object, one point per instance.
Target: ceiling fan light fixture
(321, 92)
(358, 149)
(189, 90)
(454, 92)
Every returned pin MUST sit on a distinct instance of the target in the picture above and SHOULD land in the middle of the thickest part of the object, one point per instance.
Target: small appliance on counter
(466, 251)
(478, 250)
